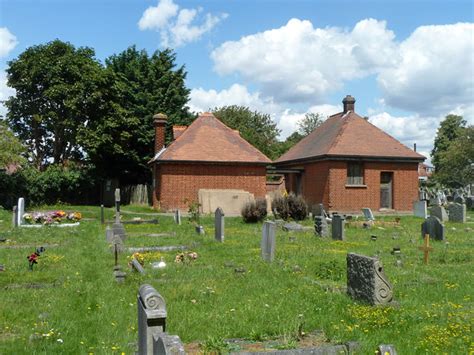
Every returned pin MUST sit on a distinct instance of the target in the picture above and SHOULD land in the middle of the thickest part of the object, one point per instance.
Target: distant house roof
(209, 140)
(346, 134)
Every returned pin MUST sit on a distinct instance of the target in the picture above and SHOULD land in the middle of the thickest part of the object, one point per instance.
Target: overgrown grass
(71, 303)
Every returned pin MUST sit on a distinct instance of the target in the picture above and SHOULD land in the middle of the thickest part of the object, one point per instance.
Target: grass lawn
(71, 304)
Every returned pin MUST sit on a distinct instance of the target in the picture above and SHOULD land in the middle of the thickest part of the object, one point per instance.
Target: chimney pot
(159, 121)
(349, 103)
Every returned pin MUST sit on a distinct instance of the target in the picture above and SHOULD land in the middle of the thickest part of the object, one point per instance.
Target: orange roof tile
(209, 140)
(348, 135)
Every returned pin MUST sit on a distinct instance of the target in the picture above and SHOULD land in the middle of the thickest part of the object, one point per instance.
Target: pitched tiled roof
(209, 140)
(348, 135)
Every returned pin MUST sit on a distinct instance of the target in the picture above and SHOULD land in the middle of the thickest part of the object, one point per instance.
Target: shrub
(254, 211)
(297, 207)
(291, 206)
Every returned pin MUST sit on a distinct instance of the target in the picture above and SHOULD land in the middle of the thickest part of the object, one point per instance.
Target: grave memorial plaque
(219, 224)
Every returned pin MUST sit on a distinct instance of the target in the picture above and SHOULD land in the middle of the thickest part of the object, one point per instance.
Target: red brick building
(205, 155)
(347, 164)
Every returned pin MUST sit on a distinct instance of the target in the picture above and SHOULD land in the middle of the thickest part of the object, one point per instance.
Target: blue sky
(408, 63)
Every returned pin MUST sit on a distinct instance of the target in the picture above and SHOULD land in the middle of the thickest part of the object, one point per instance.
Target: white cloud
(176, 26)
(300, 63)
(434, 71)
(7, 41)
(5, 92)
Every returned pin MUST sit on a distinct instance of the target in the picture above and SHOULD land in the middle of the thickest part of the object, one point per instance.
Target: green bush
(291, 206)
(254, 211)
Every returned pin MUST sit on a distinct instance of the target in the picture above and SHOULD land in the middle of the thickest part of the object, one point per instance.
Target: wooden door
(386, 190)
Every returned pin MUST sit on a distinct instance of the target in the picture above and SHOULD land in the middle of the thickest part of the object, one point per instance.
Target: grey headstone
(21, 211)
(268, 241)
(177, 217)
(318, 210)
(109, 234)
(151, 318)
(292, 227)
(337, 224)
(219, 224)
(419, 209)
(432, 226)
(470, 202)
(321, 226)
(366, 280)
(165, 344)
(117, 205)
(369, 216)
(137, 266)
(435, 201)
(386, 349)
(457, 212)
(15, 216)
(117, 243)
(439, 212)
(119, 229)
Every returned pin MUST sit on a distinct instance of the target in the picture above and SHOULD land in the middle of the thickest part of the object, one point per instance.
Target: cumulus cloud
(300, 63)
(5, 92)
(7, 41)
(434, 71)
(177, 27)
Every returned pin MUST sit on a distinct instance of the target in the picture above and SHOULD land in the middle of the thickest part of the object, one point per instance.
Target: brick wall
(174, 183)
(352, 199)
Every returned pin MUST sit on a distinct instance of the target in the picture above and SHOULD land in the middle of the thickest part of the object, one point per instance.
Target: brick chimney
(349, 103)
(159, 121)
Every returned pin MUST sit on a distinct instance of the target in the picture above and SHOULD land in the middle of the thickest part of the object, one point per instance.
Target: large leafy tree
(456, 163)
(11, 149)
(309, 123)
(255, 127)
(56, 95)
(449, 130)
(141, 85)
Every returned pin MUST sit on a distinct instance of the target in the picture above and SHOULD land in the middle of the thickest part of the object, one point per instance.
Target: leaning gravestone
(21, 211)
(366, 280)
(439, 212)
(457, 212)
(321, 226)
(268, 241)
(369, 216)
(432, 226)
(219, 224)
(338, 223)
(419, 209)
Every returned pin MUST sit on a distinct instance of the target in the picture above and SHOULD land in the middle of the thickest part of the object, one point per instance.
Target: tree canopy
(11, 149)
(255, 127)
(309, 123)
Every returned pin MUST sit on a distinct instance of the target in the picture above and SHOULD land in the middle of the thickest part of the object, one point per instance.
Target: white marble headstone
(21, 210)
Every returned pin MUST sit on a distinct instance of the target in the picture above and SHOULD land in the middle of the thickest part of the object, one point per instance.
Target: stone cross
(151, 317)
(419, 209)
(457, 212)
(177, 217)
(117, 205)
(321, 226)
(21, 210)
(338, 223)
(268, 241)
(426, 249)
(366, 280)
(432, 226)
(219, 224)
(102, 216)
(15, 216)
(369, 216)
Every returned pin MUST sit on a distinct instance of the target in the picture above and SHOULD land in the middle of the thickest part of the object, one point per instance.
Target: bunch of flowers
(185, 258)
(137, 256)
(51, 217)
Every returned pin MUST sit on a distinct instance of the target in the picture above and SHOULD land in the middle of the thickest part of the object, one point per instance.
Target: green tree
(11, 149)
(309, 123)
(56, 95)
(121, 142)
(450, 129)
(255, 127)
(457, 161)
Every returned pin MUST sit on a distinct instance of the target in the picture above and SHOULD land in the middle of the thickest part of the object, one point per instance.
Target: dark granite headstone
(337, 224)
(457, 212)
(432, 226)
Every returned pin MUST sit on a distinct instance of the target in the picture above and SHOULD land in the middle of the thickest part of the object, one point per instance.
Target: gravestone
(109, 234)
(439, 212)
(219, 224)
(119, 229)
(165, 344)
(470, 202)
(457, 212)
(117, 244)
(177, 217)
(386, 349)
(369, 216)
(21, 211)
(102, 216)
(137, 266)
(435, 201)
(321, 226)
(117, 205)
(15, 217)
(268, 241)
(366, 280)
(419, 209)
(151, 317)
(338, 223)
(432, 226)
